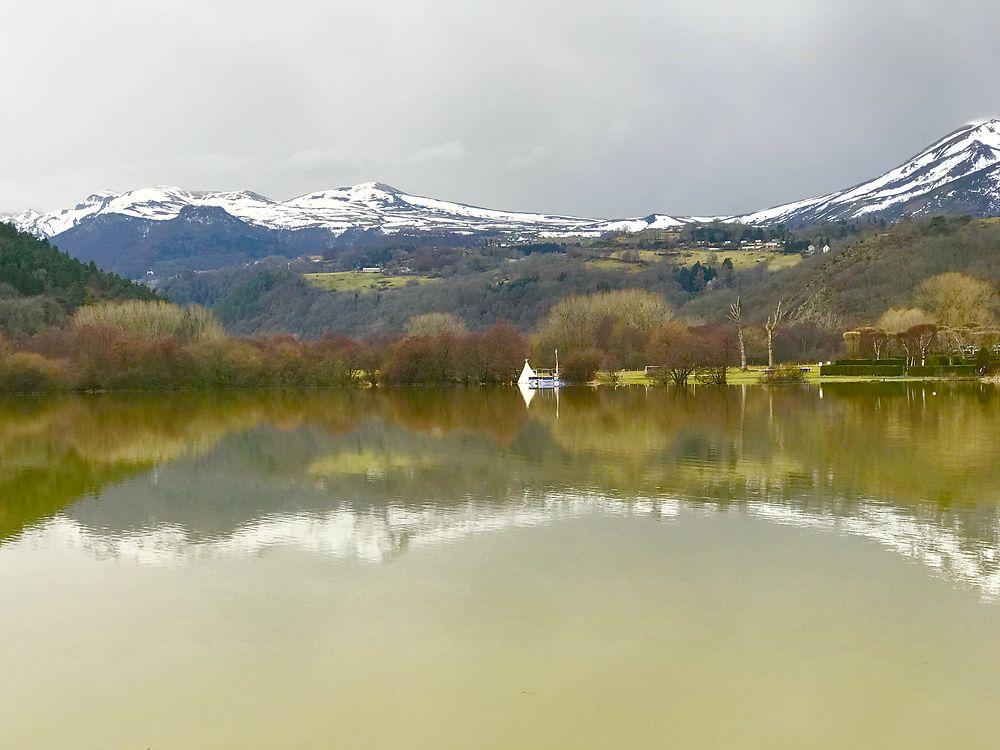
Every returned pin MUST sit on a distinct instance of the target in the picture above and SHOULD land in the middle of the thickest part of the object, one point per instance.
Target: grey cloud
(323, 161)
(448, 151)
(525, 158)
(606, 109)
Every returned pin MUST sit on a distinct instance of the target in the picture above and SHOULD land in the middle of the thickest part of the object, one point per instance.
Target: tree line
(41, 286)
(156, 345)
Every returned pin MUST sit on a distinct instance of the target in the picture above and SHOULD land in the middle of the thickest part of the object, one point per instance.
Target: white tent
(526, 374)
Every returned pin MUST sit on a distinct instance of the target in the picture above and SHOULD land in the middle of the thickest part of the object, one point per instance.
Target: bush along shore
(155, 345)
(136, 344)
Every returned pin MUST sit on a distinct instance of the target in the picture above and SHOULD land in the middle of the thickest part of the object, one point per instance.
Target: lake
(781, 567)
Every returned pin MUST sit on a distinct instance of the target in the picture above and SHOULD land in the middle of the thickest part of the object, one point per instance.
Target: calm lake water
(726, 568)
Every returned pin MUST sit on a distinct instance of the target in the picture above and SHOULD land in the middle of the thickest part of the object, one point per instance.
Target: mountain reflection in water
(371, 474)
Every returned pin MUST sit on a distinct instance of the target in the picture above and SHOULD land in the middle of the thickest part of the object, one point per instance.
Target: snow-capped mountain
(370, 205)
(138, 230)
(958, 174)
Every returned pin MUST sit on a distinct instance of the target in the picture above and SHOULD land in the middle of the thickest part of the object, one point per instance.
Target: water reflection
(370, 474)
(344, 532)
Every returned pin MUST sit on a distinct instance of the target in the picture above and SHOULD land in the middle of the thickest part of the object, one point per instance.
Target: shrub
(494, 356)
(784, 374)
(227, 363)
(151, 319)
(420, 360)
(719, 350)
(27, 372)
(502, 350)
(580, 366)
(676, 351)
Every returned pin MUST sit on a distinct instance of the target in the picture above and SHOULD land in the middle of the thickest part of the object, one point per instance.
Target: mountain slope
(958, 174)
(198, 238)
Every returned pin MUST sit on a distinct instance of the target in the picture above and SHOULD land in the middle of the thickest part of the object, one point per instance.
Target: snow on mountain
(960, 173)
(369, 205)
(654, 221)
(25, 220)
(920, 185)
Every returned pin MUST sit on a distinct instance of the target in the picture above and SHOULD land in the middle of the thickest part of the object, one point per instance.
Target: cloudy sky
(581, 107)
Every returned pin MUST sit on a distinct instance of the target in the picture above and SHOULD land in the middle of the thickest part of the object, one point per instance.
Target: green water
(723, 568)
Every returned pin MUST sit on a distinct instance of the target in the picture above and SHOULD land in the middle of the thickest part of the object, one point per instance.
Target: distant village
(774, 246)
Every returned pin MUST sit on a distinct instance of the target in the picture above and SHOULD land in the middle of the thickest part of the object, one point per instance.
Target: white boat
(538, 379)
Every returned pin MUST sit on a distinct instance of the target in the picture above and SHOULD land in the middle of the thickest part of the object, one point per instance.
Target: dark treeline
(40, 286)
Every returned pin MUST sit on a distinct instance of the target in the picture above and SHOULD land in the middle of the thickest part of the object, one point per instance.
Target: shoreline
(632, 378)
(753, 377)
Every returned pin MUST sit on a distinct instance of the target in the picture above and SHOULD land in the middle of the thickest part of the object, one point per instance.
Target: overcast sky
(588, 108)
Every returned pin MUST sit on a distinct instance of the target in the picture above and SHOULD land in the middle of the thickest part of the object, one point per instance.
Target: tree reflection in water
(370, 473)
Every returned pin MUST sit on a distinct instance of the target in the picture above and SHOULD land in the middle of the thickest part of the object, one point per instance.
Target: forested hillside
(274, 298)
(873, 273)
(40, 286)
(862, 276)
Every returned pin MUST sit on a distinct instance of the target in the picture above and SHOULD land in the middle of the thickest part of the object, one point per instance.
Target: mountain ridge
(973, 149)
(134, 231)
(918, 185)
(367, 205)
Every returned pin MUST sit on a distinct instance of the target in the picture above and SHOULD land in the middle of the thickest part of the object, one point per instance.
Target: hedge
(872, 362)
(970, 371)
(898, 370)
(855, 370)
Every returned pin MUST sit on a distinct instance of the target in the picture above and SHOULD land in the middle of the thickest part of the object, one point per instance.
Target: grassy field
(351, 281)
(613, 264)
(742, 259)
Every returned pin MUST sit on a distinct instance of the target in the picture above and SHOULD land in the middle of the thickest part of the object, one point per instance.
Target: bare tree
(735, 314)
(957, 299)
(918, 341)
(881, 342)
(925, 337)
(874, 341)
(771, 326)
(909, 347)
